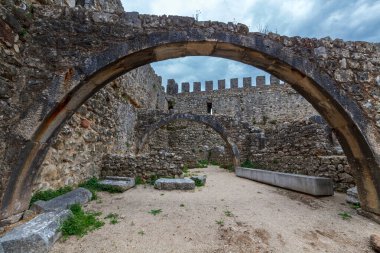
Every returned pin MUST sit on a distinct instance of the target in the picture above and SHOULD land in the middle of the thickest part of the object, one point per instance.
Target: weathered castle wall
(254, 104)
(103, 125)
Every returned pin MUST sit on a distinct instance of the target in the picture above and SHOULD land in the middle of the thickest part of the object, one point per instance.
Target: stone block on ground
(316, 186)
(174, 184)
(201, 178)
(77, 196)
(375, 242)
(120, 183)
(352, 196)
(36, 236)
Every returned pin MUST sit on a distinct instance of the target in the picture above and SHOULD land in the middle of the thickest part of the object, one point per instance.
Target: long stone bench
(317, 186)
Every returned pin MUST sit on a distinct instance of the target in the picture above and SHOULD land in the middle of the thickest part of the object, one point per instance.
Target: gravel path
(229, 214)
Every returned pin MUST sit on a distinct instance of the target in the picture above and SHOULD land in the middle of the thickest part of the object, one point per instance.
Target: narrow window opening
(209, 108)
(170, 105)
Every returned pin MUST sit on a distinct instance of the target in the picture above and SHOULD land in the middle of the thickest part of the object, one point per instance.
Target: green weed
(139, 180)
(80, 223)
(113, 218)
(152, 179)
(94, 186)
(355, 206)
(202, 164)
(220, 222)
(215, 163)
(185, 169)
(345, 215)
(50, 194)
(155, 211)
(198, 182)
(228, 213)
(229, 167)
(248, 164)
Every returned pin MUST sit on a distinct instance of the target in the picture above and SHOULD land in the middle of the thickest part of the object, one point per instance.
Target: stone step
(317, 186)
(121, 183)
(77, 196)
(174, 184)
(36, 235)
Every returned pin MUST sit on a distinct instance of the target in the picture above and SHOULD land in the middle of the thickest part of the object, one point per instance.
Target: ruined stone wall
(146, 165)
(303, 147)
(104, 124)
(255, 104)
(191, 140)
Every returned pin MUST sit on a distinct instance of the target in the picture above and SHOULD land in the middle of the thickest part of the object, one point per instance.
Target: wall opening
(209, 108)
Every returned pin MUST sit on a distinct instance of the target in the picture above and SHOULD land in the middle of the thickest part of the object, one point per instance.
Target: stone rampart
(259, 104)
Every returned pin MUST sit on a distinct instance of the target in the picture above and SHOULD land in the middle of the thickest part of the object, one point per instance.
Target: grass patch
(113, 217)
(94, 186)
(229, 167)
(141, 232)
(215, 163)
(185, 169)
(155, 211)
(228, 213)
(152, 179)
(182, 205)
(220, 222)
(198, 182)
(345, 215)
(355, 206)
(139, 180)
(202, 164)
(80, 223)
(50, 194)
(248, 164)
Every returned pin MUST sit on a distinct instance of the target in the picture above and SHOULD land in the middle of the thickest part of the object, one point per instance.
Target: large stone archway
(70, 54)
(207, 120)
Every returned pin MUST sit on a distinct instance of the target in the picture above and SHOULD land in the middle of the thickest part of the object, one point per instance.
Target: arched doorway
(312, 82)
(207, 120)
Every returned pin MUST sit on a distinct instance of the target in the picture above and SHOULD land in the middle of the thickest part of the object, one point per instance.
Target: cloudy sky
(345, 19)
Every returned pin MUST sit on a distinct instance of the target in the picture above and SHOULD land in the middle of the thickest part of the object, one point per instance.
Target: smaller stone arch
(207, 120)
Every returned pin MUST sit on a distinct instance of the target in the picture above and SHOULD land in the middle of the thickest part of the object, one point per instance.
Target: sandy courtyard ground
(229, 214)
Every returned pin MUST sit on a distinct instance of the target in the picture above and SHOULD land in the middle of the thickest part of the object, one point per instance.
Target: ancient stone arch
(70, 54)
(207, 120)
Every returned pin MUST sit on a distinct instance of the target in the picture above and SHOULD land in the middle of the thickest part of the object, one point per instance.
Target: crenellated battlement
(172, 87)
